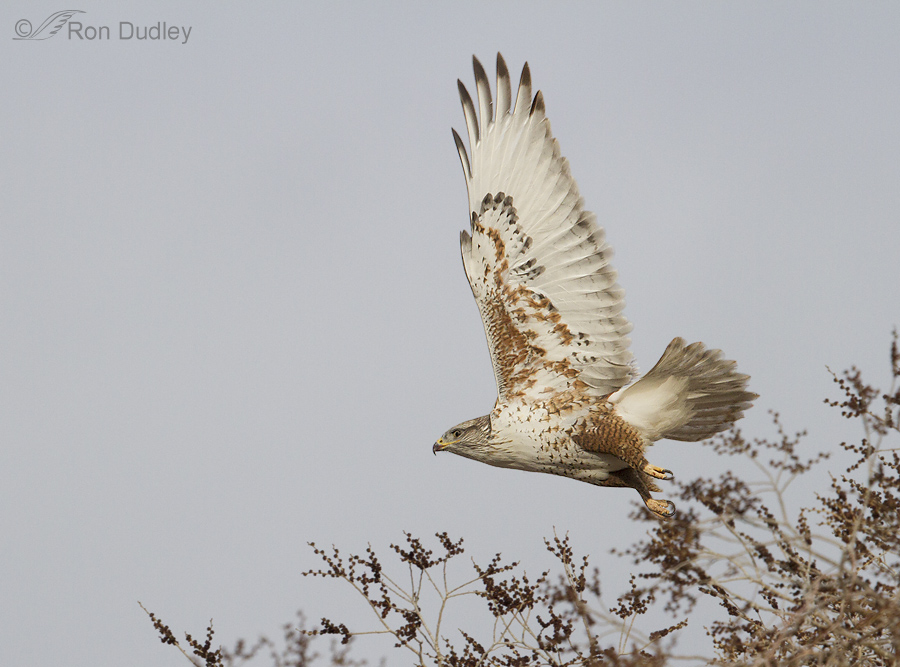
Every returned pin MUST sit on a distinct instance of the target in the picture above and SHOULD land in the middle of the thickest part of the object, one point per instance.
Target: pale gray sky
(234, 318)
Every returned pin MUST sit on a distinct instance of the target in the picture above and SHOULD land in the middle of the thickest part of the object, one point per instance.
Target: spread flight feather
(545, 263)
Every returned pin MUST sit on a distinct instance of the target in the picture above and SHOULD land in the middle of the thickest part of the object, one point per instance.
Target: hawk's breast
(539, 438)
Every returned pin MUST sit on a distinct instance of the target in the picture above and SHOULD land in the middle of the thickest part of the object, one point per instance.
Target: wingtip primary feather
(483, 90)
(523, 96)
(463, 155)
(469, 113)
(537, 107)
(504, 91)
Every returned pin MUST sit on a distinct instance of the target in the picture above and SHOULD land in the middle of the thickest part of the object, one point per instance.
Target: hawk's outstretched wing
(537, 262)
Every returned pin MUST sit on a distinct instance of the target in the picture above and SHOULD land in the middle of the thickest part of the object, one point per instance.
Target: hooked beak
(439, 446)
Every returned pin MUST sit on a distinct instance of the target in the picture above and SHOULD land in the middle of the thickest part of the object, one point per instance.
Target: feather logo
(48, 28)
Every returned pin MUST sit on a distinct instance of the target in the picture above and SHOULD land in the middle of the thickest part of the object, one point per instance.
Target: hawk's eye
(456, 433)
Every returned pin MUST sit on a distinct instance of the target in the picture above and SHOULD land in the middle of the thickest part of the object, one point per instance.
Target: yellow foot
(664, 509)
(659, 473)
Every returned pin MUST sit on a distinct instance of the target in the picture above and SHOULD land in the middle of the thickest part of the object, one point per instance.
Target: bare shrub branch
(817, 585)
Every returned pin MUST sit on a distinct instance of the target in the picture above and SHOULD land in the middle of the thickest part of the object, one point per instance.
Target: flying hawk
(539, 268)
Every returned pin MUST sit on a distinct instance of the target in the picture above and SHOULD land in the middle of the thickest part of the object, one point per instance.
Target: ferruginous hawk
(539, 269)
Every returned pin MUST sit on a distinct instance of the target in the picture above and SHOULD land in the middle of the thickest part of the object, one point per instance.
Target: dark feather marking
(523, 96)
(537, 107)
(468, 111)
(463, 155)
(513, 348)
(608, 433)
(483, 88)
(503, 88)
(507, 310)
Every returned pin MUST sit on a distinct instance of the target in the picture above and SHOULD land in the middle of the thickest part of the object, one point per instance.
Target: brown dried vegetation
(816, 586)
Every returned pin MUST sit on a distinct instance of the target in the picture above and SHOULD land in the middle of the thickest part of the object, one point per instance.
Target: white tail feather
(690, 394)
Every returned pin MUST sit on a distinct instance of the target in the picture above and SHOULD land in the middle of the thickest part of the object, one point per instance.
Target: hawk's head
(467, 439)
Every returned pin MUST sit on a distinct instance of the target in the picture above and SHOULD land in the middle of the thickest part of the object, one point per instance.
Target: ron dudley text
(127, 30)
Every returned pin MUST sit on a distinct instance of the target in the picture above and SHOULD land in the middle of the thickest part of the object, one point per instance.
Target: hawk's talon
(659, 473)
(664, 509)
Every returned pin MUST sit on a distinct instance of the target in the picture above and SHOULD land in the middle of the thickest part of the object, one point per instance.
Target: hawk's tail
(690, 394)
